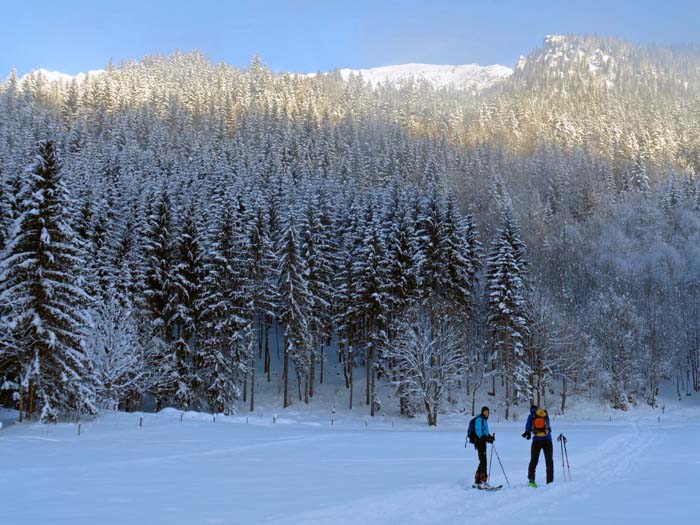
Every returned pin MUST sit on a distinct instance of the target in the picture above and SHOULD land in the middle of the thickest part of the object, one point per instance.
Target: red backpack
(540, 428)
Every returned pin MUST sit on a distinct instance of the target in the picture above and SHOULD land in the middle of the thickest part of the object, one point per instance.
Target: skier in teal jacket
(483, 436)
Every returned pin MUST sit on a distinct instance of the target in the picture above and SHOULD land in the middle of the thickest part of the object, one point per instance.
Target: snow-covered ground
(300, 469)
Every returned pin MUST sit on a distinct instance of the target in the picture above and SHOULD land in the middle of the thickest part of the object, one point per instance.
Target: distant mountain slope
(614, 98)
(611, 97)
(57, 76)
(468, 76)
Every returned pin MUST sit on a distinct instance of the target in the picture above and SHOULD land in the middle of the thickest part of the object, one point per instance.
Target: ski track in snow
(450, 503)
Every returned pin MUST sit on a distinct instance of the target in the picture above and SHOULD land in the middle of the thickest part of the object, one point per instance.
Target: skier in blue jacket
(481, 429)
(537, 427)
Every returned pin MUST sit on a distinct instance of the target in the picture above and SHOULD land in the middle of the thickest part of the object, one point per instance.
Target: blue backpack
(471, 431)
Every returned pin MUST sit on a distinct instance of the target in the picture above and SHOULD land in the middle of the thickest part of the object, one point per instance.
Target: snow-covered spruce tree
(263, 290)
(6, 218)
(507, 292)
(371, 302)
(402, 285)
(84, 218)
(431, 236)
(315, 251)
(329, 242)
(295, 305)
(186, 318)
(474, 249)
(345, 314)
(224, 324)
(429, 355)
(458, 258)
(243, 298)
(100, 249)
(127, 275)
(401, 257)
(38, 277)
(638, 176)
(161, 298)
(476, 361)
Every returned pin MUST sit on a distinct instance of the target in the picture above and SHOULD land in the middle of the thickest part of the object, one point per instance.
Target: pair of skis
(487, 487)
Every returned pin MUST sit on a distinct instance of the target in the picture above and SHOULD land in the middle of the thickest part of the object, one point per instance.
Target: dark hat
(484, 408)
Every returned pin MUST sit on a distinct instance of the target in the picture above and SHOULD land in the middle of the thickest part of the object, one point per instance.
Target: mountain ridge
(465, 76)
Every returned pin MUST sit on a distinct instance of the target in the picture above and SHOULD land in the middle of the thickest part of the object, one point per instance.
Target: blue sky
(310, 35)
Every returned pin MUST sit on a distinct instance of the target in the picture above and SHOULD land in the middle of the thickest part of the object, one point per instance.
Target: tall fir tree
(370, 299)
(294, 309)
(507, 291)
(222, 322)
(187, 315)
(263, 291)
(160, 296)
(39, 278)
(315, 252)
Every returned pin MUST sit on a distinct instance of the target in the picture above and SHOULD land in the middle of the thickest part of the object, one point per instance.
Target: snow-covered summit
(468, 76)
(564, 56)
(57, 76)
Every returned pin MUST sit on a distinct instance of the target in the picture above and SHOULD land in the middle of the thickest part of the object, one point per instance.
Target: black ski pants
(481, 472)
(546, 446)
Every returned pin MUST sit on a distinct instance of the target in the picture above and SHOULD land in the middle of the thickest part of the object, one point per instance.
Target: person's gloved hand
(526, 435)
(491, 439)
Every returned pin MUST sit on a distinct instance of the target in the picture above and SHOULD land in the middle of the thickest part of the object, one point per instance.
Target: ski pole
(493, 448)
(490, 463)
(561, 445)
(566, 453)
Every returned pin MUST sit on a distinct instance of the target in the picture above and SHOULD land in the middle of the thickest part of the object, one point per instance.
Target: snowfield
(303, 470)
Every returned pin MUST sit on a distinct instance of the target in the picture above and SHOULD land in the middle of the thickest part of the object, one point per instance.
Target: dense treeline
(179, 216)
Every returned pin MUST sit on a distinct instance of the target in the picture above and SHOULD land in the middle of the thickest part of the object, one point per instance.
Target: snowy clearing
(302, 470)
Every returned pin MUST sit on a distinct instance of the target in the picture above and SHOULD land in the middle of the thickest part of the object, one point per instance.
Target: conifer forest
(182, 233)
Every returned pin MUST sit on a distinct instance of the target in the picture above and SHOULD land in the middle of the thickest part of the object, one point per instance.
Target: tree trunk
(267, 348)
(367, 374)
(312, 373)
(373, 379)
(252, 381)
(475, 387)
(343, 359)
(403, 400)
(299, 386)
(321, 364)
(286, 376)
(507, 396)
(349, 364)
(277, 342)
(245, 379)
(260, 335)
(21, 405)
(428, 411)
